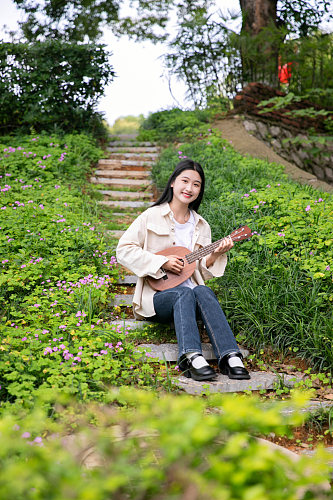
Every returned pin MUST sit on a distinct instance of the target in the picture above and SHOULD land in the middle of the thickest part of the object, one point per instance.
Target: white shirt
(184, 236)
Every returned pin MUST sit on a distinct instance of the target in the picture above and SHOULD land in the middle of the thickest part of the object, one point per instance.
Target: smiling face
(186, 187)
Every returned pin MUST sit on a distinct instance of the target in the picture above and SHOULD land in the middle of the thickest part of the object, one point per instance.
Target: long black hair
(185, 164)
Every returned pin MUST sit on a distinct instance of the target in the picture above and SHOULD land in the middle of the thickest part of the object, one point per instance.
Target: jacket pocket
(158, 237)
(158, 229)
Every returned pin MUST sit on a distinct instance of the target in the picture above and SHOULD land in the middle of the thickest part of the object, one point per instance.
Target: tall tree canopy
(204, 52)
(83, 20)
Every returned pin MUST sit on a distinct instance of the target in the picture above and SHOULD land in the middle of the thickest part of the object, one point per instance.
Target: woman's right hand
(174, 264)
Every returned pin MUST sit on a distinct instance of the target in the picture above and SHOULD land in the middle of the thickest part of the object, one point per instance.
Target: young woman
(173, 221)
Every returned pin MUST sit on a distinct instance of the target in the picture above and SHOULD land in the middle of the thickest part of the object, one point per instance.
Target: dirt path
(233, 130)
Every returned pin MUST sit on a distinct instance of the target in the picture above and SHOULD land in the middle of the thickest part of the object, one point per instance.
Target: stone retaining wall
(279, 138)
(277, 128)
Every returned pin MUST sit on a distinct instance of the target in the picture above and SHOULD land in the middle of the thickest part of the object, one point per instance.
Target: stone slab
(131, 143)
(120, 300)
(122, 214)
(126, 204)
(311, 407)
(126, 168)
(310, 453)
(124, 137)
(166, 351)
(258, 381)
(125, 163)
(141, 163)
(126, 194)
(128, 155)
(128, 174)
(131, 324)
(134, 149)
(121, 182)
(129, 280)
(169, 352)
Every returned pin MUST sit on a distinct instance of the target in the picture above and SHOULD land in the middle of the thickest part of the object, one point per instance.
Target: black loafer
(188, 370)
(235, 372)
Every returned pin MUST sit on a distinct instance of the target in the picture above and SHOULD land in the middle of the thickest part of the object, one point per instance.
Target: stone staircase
(125, 178)
(127, 171)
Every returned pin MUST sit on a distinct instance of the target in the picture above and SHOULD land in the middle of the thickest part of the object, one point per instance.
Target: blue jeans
(181, 304)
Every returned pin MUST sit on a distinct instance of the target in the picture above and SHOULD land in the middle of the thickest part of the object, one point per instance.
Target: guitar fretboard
(202, 252)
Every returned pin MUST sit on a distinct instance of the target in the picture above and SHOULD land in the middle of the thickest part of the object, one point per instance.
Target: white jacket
(152, 231)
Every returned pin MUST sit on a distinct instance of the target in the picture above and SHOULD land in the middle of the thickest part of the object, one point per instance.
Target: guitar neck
(202, 252)
(237, 235)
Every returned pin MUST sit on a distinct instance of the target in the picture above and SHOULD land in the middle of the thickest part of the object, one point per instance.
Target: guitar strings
(202, 252)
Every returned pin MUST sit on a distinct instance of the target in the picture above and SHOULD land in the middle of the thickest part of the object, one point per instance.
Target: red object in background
(285, 72)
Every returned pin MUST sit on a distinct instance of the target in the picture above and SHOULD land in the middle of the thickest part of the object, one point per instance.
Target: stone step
(313, 406)
(118, 163)
(126, 204)
(129, 280)
(117, 167)
(122, 182)
(133, 144)
(125, 163)
(121, 195)
(169, 352)
(124, 137)
(310, 453)
(122, 174)
(116, 233)
(131, 324)
(122, 300)
(136, 156)
(258, 381)
(109, 163)
(135, 149)
(121, 214)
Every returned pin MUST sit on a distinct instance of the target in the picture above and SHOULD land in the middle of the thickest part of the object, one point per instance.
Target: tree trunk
(259, 41)
(257, 14)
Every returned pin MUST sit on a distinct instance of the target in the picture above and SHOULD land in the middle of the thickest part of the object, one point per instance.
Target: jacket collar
(165, 210)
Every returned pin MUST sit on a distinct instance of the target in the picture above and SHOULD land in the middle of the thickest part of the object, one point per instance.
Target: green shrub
(126, 124)
(166, 447)
(77, 357)
(52, 86)
(173, 124)
(48, 231)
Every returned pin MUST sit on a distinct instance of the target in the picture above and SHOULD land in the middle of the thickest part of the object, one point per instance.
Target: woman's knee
(172, 296)
(185, 293)
(203, 291)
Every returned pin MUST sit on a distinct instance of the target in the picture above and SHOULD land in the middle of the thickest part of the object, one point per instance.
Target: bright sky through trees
(142, 84)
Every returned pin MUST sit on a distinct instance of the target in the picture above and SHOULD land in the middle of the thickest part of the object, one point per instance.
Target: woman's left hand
(225, 245)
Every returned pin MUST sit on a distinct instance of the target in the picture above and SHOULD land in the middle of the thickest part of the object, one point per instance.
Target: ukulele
(170, 280)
